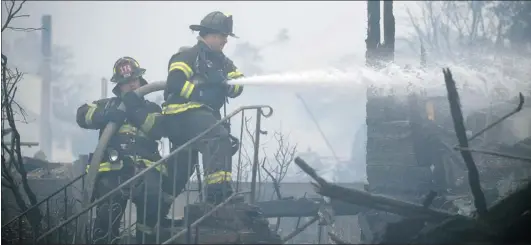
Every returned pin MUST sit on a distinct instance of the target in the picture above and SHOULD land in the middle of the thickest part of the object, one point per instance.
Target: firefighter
(129, 151)
(196, 90)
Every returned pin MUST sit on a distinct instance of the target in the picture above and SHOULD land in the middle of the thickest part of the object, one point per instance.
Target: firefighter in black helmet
(129, 151)
(196, 90)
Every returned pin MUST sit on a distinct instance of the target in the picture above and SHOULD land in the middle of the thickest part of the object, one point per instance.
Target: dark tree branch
(276, 186)
(24, 29)
(284, 155)
(13, 13)
(276, 183)
(12, 149)
(247, 130)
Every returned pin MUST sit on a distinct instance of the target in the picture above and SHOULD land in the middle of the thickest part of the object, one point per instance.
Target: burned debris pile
(504, 221)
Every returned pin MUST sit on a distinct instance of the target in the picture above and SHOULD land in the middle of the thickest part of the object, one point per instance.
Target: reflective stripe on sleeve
(90, 113)
(187, 89)
(179, 65)
(178, 108)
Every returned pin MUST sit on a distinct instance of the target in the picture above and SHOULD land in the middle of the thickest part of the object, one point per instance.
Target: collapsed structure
(410, 154)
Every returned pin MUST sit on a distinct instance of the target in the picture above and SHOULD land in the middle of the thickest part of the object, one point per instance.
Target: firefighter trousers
(214, 146)
(144, 193)
(181, 167)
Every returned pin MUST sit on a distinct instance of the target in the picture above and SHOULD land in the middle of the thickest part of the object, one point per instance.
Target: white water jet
(331, 77)
(490, 83)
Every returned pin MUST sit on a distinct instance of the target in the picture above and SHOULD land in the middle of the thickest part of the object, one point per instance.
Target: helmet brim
(139, 73)
(116, 89)
(201, 28)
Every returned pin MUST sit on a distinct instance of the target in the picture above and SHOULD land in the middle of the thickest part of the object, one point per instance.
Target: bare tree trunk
(11, 151)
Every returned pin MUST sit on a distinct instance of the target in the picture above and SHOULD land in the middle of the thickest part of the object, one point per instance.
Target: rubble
(506, 221)
(426, 225)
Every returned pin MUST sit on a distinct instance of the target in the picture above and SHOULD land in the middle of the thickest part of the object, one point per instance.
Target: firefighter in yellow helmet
(196, 90)
(129, 151)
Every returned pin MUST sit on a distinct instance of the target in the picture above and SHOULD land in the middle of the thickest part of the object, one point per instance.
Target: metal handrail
(44, 200)
(156, 164)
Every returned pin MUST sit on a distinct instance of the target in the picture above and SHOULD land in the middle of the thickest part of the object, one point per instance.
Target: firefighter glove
(235, 144)
(226, 125)
(132, 101)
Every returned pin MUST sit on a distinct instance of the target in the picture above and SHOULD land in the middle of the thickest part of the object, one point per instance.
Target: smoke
(283, 36)
(68, 91)
(251, 55)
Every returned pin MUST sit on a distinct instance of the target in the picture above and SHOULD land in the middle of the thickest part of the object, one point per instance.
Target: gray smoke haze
(274, 37)
(286, 36)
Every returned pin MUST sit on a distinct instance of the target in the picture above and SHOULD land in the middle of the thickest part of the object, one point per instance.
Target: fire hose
(108, 132)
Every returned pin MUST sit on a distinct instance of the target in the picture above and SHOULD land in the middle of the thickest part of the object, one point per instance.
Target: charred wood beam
(494, 153)
(389, 30)
(457, 116)
(377, 202)
(373, 32)
(382, 203)
(373, 24)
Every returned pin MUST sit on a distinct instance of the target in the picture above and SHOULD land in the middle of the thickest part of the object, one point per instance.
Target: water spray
(312, 78)
(477, 85)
